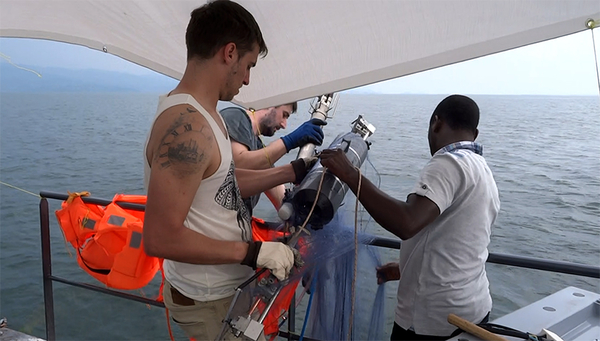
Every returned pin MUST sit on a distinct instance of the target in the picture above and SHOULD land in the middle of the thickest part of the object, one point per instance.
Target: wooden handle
(474, 329)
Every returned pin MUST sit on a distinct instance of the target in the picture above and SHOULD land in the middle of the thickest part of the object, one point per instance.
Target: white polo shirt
(443, 266)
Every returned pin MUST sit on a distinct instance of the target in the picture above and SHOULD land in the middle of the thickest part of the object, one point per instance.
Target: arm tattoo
(183, 146)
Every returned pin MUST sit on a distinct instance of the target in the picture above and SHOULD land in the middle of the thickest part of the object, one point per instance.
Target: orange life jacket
(109, 247)
(108, 240)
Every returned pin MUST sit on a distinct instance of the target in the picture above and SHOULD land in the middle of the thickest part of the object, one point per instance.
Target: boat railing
(49, 278)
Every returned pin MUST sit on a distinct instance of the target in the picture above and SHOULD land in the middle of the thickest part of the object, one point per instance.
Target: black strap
(507, 331)
(98, 271)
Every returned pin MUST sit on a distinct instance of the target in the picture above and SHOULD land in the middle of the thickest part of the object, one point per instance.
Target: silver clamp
(363, 128)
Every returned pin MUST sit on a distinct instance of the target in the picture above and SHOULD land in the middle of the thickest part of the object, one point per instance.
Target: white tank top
(217, 212)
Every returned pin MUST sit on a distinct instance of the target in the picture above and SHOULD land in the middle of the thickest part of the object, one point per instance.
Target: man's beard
(267, 124)
(267, 130)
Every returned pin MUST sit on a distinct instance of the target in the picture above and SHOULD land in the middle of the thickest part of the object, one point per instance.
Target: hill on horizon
(13, 79)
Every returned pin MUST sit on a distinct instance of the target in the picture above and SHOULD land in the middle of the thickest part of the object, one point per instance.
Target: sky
(562, 66)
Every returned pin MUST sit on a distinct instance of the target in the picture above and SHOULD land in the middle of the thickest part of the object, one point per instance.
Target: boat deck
(7, 334)
(572, 313)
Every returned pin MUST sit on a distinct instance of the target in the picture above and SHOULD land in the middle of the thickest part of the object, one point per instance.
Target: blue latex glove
(308, 132)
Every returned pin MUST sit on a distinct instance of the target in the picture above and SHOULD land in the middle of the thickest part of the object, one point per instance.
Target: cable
(312, 288)
(355, 253)
(20, 189)
(17, 66)
(591, 24)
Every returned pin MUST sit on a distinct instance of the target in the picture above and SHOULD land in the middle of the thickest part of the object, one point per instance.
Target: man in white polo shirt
(445, 225)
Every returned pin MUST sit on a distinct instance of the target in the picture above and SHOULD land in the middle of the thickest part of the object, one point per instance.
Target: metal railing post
(47, 270)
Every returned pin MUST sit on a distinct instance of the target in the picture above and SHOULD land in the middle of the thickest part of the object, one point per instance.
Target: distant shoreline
(62, 80)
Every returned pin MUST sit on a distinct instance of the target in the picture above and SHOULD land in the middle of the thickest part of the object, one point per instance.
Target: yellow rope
(20, 189)
(260, 138)
(69, 199)
(76, 194)
(17, 66)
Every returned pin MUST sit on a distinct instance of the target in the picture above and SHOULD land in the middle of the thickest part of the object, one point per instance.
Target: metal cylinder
(333, 190)
(323, 104)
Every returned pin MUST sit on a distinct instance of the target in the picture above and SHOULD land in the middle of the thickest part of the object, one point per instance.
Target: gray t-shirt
(239, 127)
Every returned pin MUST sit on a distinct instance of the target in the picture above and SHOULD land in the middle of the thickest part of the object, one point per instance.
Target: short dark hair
(294, 106)
(459, 112)
(218, 23)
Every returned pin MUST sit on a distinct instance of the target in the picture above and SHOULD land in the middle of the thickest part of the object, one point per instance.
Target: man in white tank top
(445, 225)
(195, 216)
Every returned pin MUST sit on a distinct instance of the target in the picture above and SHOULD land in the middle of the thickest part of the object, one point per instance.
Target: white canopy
(315, 47)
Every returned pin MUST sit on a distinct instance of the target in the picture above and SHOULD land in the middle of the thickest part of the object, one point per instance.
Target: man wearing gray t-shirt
(245, 128)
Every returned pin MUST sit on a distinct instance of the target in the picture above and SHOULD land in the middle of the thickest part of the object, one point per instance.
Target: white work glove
(275, 256)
